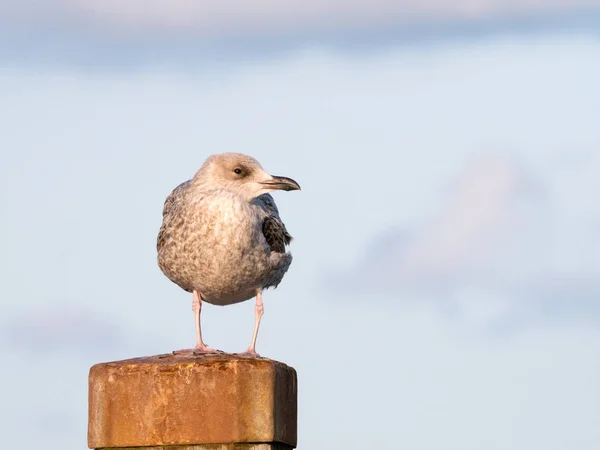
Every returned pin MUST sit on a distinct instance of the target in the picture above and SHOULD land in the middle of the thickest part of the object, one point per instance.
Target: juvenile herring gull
(221, 237)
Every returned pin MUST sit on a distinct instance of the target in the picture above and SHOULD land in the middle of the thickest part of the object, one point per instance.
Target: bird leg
(200, 347)
(258, 312)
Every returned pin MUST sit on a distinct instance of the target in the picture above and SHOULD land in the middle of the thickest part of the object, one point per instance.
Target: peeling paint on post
(193, 402)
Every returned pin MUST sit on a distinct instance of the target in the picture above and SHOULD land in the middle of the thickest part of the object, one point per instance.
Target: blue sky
(445, 287)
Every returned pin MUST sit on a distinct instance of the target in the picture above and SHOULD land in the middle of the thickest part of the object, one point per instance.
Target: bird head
(242, 175)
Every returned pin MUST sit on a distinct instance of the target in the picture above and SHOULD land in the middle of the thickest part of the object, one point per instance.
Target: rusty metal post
(189, 402)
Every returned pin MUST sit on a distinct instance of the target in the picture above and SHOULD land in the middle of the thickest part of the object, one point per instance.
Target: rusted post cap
(191, 400)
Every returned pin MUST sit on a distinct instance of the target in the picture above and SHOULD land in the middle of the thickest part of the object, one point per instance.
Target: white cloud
(186, 33)
(496, 249)
(267, 17)
(213, 16)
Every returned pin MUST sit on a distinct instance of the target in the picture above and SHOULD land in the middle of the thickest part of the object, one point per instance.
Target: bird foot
(184, 351)
(205, 349)
(198, 350)
(249, 353)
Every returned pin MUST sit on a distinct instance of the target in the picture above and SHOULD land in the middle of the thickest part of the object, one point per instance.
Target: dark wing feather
(275, 233)
(272, 227)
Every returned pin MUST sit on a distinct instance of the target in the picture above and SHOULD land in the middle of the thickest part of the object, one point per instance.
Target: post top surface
(170, 359)
(185, 399)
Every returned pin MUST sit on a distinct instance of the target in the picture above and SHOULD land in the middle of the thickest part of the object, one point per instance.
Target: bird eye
(237, 170)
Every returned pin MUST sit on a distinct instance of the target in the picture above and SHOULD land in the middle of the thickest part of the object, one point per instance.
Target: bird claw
(196, 351)
(204, 350)
(249, 353)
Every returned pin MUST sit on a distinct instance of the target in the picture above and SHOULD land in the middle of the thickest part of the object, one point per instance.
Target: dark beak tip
(293, 187)
(283, 183)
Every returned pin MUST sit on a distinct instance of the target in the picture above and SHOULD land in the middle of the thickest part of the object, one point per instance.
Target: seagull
(222, 239)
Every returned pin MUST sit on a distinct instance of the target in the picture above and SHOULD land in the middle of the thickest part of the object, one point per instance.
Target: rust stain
(191, 399)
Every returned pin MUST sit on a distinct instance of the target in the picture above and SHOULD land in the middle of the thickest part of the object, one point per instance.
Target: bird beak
(281, 183)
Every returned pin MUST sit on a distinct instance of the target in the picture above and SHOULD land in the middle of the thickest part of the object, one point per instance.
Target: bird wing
(174, 196)
(273, 228)
(170, 203)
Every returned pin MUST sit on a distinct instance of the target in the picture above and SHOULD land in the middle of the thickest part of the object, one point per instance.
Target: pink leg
(197, 308)
(258, 313)
(200, 347)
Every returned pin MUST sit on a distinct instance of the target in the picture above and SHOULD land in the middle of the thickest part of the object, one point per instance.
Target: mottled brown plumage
(221, 236)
